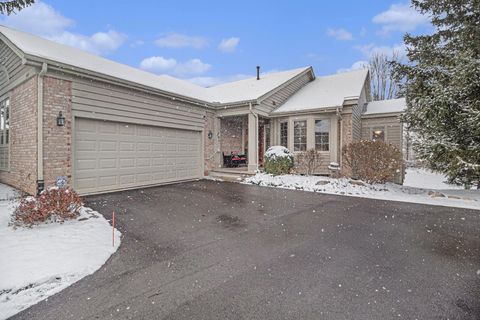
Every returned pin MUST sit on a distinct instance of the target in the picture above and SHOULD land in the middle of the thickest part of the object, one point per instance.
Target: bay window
(284, 134)
(300, 135)
(322, 135)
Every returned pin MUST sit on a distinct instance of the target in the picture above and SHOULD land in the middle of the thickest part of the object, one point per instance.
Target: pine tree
(442, 87)
(8, 7)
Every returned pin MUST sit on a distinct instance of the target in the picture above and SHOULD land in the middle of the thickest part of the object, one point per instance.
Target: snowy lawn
(424, 178)
(41, 261)
(389, 191)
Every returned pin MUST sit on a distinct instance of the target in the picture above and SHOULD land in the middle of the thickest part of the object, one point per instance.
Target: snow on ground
(424, 178)
(41, 261)
(389, 191)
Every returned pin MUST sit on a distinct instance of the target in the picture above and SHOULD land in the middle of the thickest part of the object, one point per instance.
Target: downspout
(339, 116)
(256, 130)
(40, 180)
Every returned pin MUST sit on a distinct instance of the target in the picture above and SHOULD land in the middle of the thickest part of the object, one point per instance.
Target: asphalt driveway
(213, 250)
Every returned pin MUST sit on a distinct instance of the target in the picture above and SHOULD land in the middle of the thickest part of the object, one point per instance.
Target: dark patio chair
(227, 160)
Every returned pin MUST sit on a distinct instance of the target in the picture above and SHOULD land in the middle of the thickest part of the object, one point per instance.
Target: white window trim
(287, 121)
(7, 146)
(330, 134)
(292, 131)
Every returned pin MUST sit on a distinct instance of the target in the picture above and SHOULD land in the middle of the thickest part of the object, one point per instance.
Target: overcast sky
(210, 42)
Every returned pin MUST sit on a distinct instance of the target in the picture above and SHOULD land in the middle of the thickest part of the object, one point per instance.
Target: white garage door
(113, 155)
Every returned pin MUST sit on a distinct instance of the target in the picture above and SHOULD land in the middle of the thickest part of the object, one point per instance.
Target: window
(300, 136)
(284, 134)
(267, 136)
(378, 134)
(322, 135)
(4, 122)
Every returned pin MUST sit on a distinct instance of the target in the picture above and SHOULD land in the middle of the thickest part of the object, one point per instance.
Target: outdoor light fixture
(210, 134)
(60, 119)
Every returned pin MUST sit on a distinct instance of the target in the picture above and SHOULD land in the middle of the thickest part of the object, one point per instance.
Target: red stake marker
(113, 229)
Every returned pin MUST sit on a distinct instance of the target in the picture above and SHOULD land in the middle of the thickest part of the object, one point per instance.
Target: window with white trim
(4, 122)
(378, 134)
(322, 135)
(4, 133)
(300, 135)
(267, 136)
(284, 134)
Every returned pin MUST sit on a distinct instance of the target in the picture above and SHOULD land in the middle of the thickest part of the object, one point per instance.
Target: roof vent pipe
(258, 72)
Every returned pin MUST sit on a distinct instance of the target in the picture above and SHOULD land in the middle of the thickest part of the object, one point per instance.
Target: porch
(242, 142)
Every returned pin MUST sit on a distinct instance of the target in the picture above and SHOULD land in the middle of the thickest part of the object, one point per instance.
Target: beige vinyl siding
(283, 93)
(108, 102)
(357, 115)
(11, 69)
(12, 63)
(393, 129)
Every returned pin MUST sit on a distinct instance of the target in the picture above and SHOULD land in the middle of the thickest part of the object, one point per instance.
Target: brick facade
(22, 173)
(231, 134)
(57, 141)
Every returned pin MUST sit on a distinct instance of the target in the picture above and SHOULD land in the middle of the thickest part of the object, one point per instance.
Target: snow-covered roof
(385, 106)
(243, 90)
(251, 88)
(325, 92)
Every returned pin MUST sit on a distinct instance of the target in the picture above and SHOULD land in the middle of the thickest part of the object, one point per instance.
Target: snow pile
(275, 152)
(7, 193)
(388, 191)
(41, 261)
(424, 178)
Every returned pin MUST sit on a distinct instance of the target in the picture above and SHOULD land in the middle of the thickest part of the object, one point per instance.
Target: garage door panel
(107, 163)
(143, 146)
(126, 146)
(126, 129)
(107, 127)
(86, 145)
(110, 155)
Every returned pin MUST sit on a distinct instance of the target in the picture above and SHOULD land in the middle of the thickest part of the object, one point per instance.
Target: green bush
(278, 160)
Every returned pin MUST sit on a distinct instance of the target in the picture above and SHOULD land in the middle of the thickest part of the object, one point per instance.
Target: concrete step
(228, 176)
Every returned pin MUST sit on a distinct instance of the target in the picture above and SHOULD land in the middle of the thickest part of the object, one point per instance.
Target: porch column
(252, 142)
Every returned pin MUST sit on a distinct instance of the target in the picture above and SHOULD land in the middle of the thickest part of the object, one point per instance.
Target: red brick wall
(57, 141)
(231, 135)
(22, 173)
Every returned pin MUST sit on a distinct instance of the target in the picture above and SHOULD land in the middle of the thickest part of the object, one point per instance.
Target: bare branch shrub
(308, 162)
(373, 161)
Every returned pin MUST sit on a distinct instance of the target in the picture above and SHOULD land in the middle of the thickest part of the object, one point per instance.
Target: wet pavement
(218, 250)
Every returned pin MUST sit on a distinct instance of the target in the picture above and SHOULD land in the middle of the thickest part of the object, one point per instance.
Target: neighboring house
(106, 126)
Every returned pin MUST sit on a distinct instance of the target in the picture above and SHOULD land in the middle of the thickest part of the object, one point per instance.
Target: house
(105, 126)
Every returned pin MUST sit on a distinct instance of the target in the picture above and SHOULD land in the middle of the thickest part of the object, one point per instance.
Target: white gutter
(339, 116)
(40, 181)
